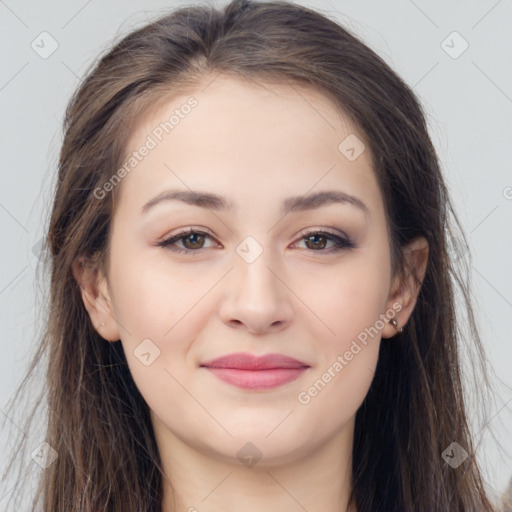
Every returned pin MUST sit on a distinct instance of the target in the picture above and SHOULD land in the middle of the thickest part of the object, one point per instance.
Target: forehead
(265, 137)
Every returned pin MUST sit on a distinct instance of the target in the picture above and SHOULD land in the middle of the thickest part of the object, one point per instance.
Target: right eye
(191, 236)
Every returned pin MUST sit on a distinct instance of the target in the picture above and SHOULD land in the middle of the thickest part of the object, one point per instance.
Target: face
(265, 272)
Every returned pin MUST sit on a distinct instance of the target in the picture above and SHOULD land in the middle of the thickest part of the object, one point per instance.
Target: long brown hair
(97, 421)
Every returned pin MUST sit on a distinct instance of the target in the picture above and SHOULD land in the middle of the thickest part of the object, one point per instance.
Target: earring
(102, 324)
(395, 324)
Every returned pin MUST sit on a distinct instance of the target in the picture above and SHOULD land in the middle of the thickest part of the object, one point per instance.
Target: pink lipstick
(252, 372)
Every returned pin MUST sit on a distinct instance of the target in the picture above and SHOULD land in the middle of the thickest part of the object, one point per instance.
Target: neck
(196, 481)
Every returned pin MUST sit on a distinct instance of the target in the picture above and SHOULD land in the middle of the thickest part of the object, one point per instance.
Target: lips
(253, 372)
(241, 361)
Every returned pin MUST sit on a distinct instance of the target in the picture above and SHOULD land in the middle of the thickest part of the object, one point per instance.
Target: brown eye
(196, 240)
(191, 240)
(316, 241)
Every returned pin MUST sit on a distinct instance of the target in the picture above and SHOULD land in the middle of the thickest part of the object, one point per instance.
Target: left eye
(314, 236)
(195, 239)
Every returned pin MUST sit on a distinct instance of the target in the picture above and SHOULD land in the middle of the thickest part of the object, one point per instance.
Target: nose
(256, 296)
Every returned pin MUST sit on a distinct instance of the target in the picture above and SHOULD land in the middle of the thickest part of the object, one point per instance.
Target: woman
(252, 293)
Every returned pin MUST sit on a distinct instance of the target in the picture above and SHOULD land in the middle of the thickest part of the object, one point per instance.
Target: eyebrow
(291, 204)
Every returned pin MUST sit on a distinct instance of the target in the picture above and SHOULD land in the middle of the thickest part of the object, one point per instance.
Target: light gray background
(468, 100)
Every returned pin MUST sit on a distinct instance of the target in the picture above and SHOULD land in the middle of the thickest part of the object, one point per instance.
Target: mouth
(252, 372)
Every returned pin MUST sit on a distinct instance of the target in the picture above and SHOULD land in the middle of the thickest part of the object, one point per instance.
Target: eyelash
(341, 243)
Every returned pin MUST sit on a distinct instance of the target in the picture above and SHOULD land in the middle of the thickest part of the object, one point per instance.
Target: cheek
(348, 338)
(349, 354)
(333, 396)
(347, 300)
(149, 296)
(162, 313)
(160, 326)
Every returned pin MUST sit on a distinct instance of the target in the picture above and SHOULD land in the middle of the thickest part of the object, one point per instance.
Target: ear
(405, 291)
(95, 294)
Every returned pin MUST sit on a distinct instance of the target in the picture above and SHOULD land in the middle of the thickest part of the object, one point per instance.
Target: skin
(256, 144)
